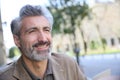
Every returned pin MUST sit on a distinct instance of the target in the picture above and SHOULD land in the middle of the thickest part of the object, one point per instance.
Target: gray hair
(27, 11)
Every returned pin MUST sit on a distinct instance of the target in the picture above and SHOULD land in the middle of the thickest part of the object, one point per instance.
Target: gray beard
(39, 56)
(36, 55)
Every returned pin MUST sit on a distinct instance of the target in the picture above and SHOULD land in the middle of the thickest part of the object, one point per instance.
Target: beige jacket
(64, 68)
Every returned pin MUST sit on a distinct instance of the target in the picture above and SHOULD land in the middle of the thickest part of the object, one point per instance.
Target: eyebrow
(47, 27)
(33, 28)
(30, 29)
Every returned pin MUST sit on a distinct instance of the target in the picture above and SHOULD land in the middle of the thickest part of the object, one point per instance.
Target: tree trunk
(2, 49)
(83, 40)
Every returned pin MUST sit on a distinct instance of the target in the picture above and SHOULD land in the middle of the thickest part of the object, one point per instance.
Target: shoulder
(69, 66)
(63, 58)
(6, 69)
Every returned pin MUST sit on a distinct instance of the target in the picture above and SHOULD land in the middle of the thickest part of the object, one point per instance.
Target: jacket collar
(58, 71)
(57, 67)
(19, 71)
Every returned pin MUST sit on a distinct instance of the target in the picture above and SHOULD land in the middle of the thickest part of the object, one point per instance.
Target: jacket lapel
(19, 71)
(58, 70)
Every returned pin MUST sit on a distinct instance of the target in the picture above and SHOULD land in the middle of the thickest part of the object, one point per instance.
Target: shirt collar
(48, 70)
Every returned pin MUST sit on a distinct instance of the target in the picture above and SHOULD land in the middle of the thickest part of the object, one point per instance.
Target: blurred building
(104, 23)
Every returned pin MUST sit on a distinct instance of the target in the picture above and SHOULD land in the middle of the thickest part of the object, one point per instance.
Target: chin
(41, 55)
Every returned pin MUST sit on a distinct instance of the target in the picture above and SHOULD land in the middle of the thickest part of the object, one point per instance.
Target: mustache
(41, 43)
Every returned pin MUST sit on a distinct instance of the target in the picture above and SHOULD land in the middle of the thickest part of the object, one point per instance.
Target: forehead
(35, 21)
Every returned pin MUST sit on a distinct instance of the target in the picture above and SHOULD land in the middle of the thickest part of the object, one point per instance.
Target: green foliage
(94, 45)
(104, 41)
(14, 51)
(68, 30)
(68, 15)
(70, 9)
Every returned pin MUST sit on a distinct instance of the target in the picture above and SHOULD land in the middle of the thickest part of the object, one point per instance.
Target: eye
(47, 29)
(31, 30)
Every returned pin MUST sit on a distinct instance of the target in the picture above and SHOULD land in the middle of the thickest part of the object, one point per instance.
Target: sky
(10, 9)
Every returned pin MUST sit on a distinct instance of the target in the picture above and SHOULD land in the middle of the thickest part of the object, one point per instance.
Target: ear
(16, 40)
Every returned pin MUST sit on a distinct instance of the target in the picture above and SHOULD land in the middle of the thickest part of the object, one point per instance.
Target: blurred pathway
(95, 64)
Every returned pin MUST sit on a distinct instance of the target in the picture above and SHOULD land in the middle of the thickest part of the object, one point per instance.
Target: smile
(41, 45)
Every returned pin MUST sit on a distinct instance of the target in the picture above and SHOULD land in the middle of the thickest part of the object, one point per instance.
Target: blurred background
(87, 30)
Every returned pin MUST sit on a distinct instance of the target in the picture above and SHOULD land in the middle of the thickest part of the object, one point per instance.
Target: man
(32, 35)
(77, 52)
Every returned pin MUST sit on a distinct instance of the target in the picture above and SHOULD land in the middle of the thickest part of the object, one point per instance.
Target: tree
(2, 50)
(72, 11)
(98, 22)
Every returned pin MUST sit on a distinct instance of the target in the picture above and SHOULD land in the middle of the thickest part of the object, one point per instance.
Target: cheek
(50, 38)
(28, 41)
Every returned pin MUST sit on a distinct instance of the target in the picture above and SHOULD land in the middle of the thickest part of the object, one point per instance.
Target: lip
(42, 47)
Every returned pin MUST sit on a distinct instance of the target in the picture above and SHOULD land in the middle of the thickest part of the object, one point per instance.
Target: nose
(42, 36)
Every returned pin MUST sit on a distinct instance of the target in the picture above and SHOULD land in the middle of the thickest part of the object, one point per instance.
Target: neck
(38, 68)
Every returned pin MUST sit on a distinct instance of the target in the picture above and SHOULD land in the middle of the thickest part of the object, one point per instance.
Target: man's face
(35, 38)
